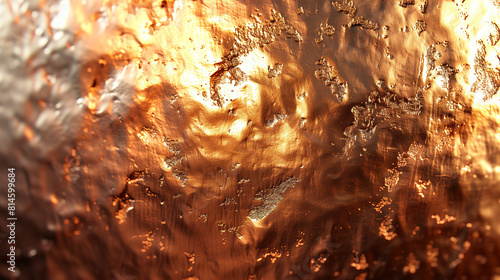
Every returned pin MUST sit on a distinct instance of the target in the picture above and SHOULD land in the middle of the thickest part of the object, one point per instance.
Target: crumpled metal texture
(182, 139)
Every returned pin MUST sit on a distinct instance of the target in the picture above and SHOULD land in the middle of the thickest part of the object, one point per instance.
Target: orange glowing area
(180, 139)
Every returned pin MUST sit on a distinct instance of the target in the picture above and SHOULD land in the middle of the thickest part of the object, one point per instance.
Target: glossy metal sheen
(225, 139)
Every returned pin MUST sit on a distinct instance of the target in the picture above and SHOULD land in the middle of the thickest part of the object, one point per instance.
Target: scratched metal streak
(226, 139)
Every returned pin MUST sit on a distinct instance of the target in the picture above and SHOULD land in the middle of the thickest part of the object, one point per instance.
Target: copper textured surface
(225, 139)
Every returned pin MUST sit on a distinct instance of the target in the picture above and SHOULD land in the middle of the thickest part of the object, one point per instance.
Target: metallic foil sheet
(231, 139)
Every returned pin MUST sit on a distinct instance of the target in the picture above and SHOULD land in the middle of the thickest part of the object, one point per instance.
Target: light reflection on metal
(269, 140)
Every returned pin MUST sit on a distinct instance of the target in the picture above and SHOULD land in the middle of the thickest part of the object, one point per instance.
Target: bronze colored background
(226, 139)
